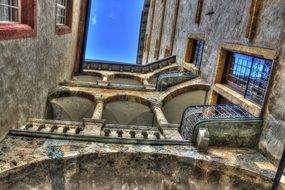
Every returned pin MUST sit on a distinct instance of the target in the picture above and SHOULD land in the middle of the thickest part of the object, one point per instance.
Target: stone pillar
(104, 82)
(162, 121)
(98, 112)
(146, 84)
(105, 78)
(92, 127)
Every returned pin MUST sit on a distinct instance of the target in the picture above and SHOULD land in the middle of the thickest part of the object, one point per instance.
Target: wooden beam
(253, 18)
(151, 29)
(80, 38)
(174, 25)
(164, 2)
(199, 11)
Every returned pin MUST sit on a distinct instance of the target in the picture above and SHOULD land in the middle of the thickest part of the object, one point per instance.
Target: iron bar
(279, 173)
(249, 75)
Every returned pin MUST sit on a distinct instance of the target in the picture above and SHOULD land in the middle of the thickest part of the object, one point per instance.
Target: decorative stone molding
(93, 126)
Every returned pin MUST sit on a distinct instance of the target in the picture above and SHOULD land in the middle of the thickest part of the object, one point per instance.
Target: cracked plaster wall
(31, 67)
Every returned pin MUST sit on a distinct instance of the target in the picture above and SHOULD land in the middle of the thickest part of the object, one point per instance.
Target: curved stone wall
(131, 171)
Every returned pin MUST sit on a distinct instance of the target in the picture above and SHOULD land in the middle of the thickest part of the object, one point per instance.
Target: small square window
(10, 11)
(194, 52)
(61, 10)
(248, 75)
(18, 19)
(63, 16)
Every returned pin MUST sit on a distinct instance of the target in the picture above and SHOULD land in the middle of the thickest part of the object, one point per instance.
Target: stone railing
(124, 67)
(129, 131)
(226, 124)
(96, 130)
(168, 79)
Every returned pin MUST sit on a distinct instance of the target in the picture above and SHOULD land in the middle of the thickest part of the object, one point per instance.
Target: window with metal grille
(10, 11)
(61, 12)
(198, 52)
(249, 75)
(194, 52)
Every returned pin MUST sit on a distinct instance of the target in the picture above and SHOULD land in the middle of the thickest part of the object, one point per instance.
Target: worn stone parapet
(52, 126)
(129, 133)
(123, 67)
(238, 99)
(24, 165)
(103, 83)
(203, 139)
(97, 128)
(93, 126)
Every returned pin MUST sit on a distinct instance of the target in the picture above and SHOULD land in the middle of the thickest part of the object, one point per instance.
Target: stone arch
(128, 110)
(128, 79)
(176, 101)
(67, 105)
(152, 78)
(65, 92)
(88, 77)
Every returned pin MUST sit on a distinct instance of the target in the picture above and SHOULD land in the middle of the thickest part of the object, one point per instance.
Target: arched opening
(153, 78)
(125, 79)
(88, 77)
(177, 101)
(70, 106)
(128, 110)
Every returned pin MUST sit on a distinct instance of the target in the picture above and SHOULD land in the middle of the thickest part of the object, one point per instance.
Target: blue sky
(114, 30)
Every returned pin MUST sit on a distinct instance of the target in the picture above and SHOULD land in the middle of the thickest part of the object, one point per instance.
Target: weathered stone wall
(225, 21)
(31, 67)
(37, 163)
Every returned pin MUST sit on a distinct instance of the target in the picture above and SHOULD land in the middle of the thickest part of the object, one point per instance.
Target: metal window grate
(196, 114)
(250, 76)
(198, 52)
(9, 11)
(61, 12)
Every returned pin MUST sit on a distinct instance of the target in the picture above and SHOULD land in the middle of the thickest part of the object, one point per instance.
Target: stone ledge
(191, 67)
(238, 99)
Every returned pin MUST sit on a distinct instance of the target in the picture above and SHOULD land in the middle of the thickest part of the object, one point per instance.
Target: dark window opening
(194, 52)
(198, 52)
(249, 75)
(222, 100)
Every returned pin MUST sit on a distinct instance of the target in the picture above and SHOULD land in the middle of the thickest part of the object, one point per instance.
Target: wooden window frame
(62, 29)
(245, 89)
(191, 49)
(26, 28)
(12, 7)
(219, 88)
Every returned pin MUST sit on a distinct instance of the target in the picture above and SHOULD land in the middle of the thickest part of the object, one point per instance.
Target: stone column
(162, 121)
(105, 81)
(105, 78)
(98, 112)
(146, 84)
